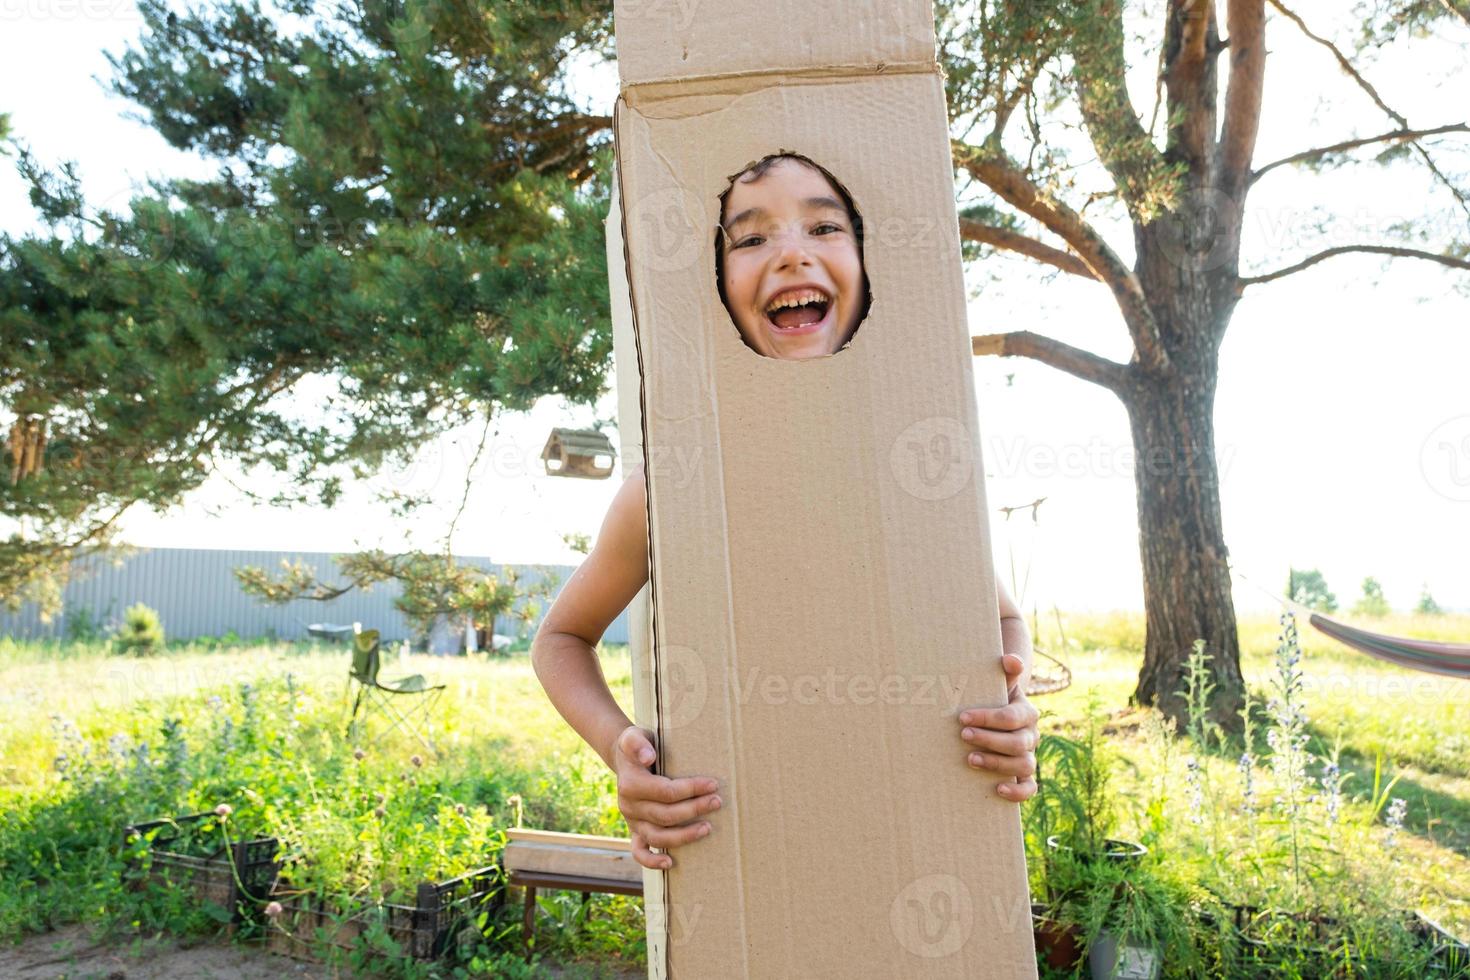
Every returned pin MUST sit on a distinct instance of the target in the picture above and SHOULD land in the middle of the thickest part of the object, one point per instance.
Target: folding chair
(371, 692)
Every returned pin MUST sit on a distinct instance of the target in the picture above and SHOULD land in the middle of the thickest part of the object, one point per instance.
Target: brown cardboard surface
(662, 40)
(823, 597)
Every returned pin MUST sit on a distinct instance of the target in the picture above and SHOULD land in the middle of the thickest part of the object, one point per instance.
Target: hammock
(1450, 659)
(1048, 680)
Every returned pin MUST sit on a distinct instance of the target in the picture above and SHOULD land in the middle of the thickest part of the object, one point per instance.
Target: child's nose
(793, 252)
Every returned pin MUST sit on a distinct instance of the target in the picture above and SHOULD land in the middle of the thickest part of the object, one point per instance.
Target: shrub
(141, 632)
(1373, 602)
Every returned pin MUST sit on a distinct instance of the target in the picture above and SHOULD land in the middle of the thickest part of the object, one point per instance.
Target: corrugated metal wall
(196, 594)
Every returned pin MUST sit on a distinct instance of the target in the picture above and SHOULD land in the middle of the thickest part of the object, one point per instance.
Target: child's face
(788, 239)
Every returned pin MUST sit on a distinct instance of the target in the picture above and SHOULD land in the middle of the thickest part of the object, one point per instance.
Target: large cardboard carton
(822, 594)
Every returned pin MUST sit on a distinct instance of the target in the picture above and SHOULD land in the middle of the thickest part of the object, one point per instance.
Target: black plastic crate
(426, 930)
(236, 878)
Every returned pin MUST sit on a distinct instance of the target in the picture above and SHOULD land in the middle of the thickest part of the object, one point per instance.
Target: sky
(1342, 414)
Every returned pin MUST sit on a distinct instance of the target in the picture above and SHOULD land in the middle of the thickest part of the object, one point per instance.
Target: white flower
(1398, 808)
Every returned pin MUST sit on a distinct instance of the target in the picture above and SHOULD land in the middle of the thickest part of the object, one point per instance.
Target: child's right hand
(660, 812)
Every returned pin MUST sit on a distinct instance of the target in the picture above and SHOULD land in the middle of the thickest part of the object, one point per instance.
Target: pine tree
(407, 204)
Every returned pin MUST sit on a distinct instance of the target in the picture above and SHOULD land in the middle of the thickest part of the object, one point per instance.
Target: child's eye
(827, 225)
(748, 241)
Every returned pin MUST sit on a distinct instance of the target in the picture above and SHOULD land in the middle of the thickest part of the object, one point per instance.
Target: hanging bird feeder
(584, 453)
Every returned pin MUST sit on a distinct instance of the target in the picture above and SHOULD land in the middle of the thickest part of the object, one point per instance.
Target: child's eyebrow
(815, 203)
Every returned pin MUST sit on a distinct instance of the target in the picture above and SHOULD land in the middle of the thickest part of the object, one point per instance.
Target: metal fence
(196, 594)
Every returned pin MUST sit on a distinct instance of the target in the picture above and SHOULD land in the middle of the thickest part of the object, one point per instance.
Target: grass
(502, 740)
(1417, 724)
(261, 729)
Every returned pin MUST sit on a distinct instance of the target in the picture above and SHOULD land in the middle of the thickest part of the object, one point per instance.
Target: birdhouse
(584, 453)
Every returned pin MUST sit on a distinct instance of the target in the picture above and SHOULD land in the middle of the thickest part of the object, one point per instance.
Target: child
(790, 268)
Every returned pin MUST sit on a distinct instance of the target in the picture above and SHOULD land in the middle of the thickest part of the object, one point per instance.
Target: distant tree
(577, 541)
(1427, 606)
(1372, 602)
(4, 133)
(1308, 587)
(140, 633)
(432, 587)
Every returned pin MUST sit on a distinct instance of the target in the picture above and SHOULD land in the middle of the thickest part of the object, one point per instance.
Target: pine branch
(996, 171)
(1393, 136)
(1460, 8)
(1366, 86)
(1122, 144)
(1391, 250)
(1190, 46)
(1246, 22)
(979, 231)
(1064, 357)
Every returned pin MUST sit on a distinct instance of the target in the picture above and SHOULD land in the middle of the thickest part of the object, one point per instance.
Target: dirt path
(70, 953)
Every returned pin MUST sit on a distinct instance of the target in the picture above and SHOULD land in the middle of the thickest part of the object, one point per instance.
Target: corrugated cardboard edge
(640, 612)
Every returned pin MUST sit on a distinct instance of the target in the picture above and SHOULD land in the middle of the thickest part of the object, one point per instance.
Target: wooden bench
(574, 862)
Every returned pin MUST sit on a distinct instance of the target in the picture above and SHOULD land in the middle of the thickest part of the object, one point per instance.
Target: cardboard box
(822, 595)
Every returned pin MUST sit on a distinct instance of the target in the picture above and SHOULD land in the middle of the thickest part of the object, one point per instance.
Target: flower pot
(1120, 851)
(1059, 945)
(1109, 958)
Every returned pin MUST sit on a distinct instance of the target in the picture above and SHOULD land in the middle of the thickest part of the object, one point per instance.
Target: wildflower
(359, 754)
(60, 763)
(1288, 734)
(273, 909)
(380, 813)
(215, 703)
(459, 809)
(1397, 810)
(417, 760)
(1196, 791)
(1247, 766)
(1332, 789)
(118, 746)
(223, 810)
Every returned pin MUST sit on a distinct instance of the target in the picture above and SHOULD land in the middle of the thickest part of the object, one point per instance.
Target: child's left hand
(1005, 739)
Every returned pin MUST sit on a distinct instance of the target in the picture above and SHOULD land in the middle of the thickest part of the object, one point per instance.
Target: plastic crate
(236, 878)
(425, 930)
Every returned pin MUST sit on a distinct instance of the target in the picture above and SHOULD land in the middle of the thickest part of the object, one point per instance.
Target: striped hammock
(1450, 659)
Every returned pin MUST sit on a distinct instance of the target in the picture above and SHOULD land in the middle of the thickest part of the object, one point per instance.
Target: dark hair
(755, 172)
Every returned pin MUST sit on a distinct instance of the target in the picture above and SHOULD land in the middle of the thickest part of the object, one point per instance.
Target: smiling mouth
(798, 310)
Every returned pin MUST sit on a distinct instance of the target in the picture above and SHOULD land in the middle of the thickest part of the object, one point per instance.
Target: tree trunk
(1181, 537)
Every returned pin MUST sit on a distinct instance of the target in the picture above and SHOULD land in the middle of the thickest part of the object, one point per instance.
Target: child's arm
(660, 812)
(1005, 739)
